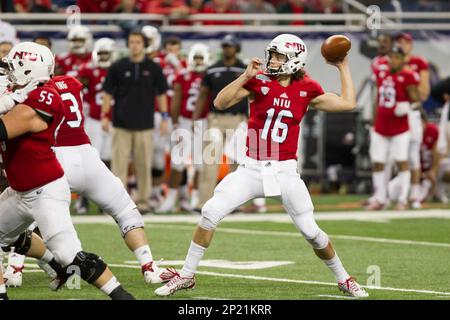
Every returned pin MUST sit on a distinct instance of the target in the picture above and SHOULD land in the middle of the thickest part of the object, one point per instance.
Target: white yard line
(209, 298)
(336, 296)
(381, 216)
(241, 276)
(295, 234)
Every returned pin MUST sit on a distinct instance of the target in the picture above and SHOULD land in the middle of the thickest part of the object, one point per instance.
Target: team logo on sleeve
(264, 90)
(303, 94)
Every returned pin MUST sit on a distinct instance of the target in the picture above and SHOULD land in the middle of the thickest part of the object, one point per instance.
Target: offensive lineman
(38, 187)
(279, 99)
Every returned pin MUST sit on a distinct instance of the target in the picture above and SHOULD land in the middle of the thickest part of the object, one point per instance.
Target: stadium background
(390, 241)
(325, 153)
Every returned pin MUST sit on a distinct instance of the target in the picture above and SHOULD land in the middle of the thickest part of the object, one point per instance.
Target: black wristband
(3, 132)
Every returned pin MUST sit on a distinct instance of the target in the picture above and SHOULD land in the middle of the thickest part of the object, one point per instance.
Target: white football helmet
(80, 39)
(293, 48)
(153, 38)
(198, 49)
(29, 61)
(103, 54)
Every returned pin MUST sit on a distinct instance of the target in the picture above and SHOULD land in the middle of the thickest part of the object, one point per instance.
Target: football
(335, 48)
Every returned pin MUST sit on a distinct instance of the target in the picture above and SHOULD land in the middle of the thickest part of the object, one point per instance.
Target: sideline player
(420, 65)
(430, 164)
(279, 99)
(80, 41)
(172, 62)
(92, 76)
(38, 187)
(390, 137)
(186, 88)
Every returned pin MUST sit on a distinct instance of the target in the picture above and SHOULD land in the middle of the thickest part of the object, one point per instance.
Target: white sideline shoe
(176, 284)
(352, 288)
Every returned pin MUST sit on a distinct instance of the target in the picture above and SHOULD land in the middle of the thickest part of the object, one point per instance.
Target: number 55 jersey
(275, 115)
(392, 89)
(29, 159)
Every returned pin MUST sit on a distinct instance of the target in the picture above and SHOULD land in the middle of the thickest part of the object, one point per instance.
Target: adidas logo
(284, 95)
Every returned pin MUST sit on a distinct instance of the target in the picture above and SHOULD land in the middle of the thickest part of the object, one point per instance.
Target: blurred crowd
(180, 8)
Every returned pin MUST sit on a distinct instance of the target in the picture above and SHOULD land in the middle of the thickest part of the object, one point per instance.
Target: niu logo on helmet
(295, 45)
(24, 55)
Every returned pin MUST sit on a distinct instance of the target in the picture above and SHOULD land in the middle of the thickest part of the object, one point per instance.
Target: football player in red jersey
(38, 187)
(397, 91)
(186, 88)
(92, 75)
(172, 62)
(80, 41)
(279, 99)
(385, 43)
(417, 64)
(380, 63)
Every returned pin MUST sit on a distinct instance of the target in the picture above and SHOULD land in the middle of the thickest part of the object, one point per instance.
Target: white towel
(271, 184)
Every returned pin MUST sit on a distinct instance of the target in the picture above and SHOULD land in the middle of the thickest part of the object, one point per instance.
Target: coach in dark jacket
(134, 83)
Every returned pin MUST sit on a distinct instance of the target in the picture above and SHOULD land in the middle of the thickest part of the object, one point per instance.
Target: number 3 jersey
(71, 131)
(392, 89)
(29, 159)
(275, 116)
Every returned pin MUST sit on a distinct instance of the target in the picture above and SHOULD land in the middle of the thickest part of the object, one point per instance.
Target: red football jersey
(29, 159)
(380, 63)
(71, 132)
(275, 116)
(68, 62)
(95, 77)
(170, 73)
(190, 87)
(430, 137)
(392, 88)
(417, 64)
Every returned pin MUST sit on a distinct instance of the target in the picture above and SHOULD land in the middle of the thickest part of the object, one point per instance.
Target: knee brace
(320, 241)
(212, 214)
(90, 266)
(129, 220)
(207, 224)
(22, 244)
(308, 227)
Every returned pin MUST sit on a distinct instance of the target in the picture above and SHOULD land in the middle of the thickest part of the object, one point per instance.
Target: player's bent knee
(212, 213)
(207, 224)
(129, 220)
(89, 265)
(308, 227)
(320, 241)
(64, 247)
